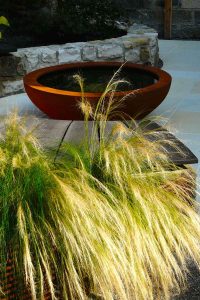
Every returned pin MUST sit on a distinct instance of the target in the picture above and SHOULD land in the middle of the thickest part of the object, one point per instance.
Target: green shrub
(3, 23)
(82, 19)
(25, 16)
(85, 16)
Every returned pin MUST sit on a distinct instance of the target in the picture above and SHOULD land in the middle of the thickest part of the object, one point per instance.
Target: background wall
(186, 16)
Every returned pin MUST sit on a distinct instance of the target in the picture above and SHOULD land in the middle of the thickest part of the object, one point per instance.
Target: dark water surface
(96, 79)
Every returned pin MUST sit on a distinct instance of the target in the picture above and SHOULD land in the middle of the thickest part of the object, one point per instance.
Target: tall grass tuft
(47, 228)
(158, 227)
(117, 221)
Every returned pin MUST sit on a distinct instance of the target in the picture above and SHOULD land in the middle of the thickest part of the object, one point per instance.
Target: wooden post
(168, 19)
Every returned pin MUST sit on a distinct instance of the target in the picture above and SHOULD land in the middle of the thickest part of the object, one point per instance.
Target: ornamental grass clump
(153, 198)
(109, 218)
(55, 241)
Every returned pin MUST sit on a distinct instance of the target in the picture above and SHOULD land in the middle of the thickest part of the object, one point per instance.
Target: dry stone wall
(140, 45)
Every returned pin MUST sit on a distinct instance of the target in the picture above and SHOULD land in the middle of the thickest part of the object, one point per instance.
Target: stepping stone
(76, 132)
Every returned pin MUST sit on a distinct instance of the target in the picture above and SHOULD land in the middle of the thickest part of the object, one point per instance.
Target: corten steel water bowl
(59, 103)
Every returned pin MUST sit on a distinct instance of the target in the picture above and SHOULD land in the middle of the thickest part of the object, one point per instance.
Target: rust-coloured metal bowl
(62, 104)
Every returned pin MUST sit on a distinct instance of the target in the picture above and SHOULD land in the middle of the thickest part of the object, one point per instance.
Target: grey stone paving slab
(76, 132)
(176, 150)
(50, 132)
(182, 60)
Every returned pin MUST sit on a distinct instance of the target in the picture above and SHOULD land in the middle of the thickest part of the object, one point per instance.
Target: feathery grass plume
(106, 108)
(158, 227)
(53, 225)
(119, 222)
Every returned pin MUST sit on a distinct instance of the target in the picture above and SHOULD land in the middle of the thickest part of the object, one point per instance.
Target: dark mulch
(193, 291)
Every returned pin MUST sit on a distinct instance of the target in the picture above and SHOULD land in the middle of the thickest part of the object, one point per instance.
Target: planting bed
(73, 131)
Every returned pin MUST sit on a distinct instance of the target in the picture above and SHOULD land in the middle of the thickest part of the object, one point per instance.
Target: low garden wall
(140, 45)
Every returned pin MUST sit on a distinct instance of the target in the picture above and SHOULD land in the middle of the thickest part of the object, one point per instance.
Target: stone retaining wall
(140, 45)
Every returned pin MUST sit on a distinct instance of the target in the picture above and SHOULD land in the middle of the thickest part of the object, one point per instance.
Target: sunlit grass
(154, 200)
(114, 219)
(157, 225)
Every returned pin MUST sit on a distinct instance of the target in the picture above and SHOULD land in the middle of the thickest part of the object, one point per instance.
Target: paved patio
(181, 109)
(182, 105)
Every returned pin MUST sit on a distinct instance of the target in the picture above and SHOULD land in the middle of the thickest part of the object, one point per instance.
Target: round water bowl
(54, 91)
